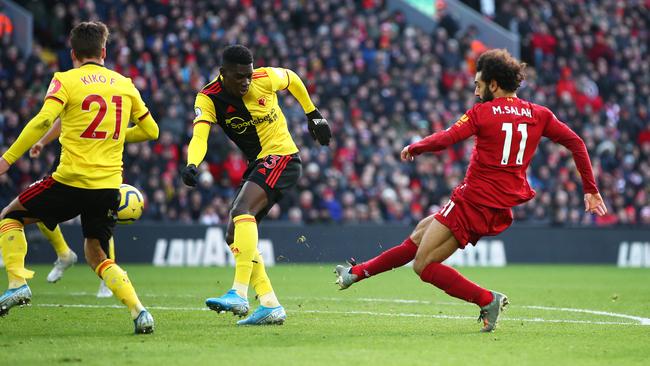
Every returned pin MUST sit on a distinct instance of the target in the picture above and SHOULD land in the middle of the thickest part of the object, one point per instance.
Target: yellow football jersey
(254, 122)
(98, 104)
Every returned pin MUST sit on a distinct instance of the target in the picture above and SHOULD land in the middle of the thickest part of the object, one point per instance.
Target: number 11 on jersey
(507, 143)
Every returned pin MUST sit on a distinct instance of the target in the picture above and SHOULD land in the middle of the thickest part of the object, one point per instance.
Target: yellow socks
(14, 249)
(117, 280)
(262, 284)
(244, 250)
(56, 239)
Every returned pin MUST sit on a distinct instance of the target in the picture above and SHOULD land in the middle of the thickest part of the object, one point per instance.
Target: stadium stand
(380, 82)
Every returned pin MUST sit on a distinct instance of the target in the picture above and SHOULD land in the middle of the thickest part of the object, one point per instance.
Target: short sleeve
(56, 91)
(204, 109)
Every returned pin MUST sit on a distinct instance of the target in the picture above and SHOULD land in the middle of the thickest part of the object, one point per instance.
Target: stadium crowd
(380, 82)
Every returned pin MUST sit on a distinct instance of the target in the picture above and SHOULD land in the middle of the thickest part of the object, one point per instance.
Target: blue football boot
(265, 316)
(143, 323)
(15, 296)
(231, 301)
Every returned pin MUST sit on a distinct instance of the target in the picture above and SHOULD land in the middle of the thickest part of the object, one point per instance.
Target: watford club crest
(262, 101)
(55, 86)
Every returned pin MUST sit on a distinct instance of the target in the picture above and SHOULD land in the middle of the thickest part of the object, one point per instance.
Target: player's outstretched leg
(65, 256)
(270, 310)
(14, 249)
(392, 258)
(118, 282)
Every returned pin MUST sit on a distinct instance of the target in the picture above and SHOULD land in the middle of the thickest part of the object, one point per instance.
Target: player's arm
(198, 147)
(459, 131)
(52, 134)
(145, 127)
(33, 131)
(317, 125)
(563, 135)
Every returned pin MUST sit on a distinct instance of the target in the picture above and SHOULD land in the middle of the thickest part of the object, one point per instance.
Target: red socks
(449, 280)
(444, 277)
(392, 258)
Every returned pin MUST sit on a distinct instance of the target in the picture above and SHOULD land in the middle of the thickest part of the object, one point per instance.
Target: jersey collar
(91, 63)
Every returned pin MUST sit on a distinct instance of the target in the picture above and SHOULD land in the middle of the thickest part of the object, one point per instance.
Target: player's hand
(319, 128)
(4, 166)
(190, 175)
(594, 204)
(35, 151)
(406, 154)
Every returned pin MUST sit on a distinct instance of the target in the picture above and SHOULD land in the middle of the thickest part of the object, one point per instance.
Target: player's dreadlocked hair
(237, 54)
(500, 66)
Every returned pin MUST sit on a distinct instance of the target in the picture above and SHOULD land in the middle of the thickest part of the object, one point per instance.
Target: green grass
(323, 330)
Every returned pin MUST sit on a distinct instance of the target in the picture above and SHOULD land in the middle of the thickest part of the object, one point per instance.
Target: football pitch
(559, 315)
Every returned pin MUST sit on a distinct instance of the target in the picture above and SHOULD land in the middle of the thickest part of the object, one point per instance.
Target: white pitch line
(372, 313)
(641, 320)
(437, 316)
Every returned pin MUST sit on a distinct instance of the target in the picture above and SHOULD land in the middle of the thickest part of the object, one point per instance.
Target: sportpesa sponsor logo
(239, 125)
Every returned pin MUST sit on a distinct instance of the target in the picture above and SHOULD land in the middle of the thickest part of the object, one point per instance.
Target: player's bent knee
(239, 210)
(419, 264)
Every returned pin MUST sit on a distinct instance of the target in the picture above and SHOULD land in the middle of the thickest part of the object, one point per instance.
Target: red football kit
(508, 131)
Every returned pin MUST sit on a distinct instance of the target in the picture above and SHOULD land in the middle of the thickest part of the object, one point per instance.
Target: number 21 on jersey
(91, 131)
(507, 143)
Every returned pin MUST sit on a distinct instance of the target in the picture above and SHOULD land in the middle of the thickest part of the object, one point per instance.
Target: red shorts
(469, 222)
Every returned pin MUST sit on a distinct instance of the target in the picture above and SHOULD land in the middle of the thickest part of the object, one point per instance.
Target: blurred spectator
(381, 82)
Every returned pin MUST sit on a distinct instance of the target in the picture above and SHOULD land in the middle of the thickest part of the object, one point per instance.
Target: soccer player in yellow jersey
(243, 101)
(95, 105)
(65, 256)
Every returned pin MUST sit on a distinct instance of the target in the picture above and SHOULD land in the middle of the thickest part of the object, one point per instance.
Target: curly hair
(237, 54)
(500, 66)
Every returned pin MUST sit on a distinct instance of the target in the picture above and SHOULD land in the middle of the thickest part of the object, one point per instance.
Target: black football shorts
(53, 202)
(275, 174)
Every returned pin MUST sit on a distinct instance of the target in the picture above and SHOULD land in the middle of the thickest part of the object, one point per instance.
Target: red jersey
(507, 132)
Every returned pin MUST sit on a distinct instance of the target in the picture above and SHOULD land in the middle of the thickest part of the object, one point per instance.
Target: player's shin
(14, 249)
(119, 283)
(453, 283)
(244, 249)
(262, 284)
(392, 258)
(55, 237)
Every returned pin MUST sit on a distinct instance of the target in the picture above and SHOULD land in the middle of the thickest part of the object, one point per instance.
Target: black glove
(190, 175)
(318, 128)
